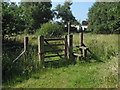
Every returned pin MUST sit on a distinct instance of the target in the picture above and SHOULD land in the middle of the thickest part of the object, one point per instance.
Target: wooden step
(77, 54)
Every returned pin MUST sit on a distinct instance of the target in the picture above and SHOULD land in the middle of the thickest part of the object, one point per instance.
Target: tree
(64, 12)
(103, 17)
(84, 22)
(36, 13)
(12, 21)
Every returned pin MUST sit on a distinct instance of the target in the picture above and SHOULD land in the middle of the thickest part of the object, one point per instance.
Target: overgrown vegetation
(103, 17)
(100, 70)
(50, 30)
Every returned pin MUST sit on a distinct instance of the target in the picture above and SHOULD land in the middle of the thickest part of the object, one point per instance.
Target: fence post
(81, 38)
(25, 43)
(66, 45)
(69, 28)
(26, 48)
(41, 49)
(70, 46)
(81, 42)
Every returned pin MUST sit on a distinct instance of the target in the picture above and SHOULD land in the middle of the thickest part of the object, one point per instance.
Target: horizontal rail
(77, 54)
(54, 45)
(53, 56)
(53, 39)
(60, 50)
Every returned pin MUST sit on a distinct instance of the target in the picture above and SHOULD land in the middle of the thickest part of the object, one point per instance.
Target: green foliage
(84, 22)
(12, 19)
(104, 17)
(64, 12)
(36, 13)
(50, 30)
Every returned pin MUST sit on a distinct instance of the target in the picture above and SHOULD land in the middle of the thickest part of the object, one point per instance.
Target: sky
(79, 8)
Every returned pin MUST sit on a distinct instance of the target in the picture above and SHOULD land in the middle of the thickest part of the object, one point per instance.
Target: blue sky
(79, 9)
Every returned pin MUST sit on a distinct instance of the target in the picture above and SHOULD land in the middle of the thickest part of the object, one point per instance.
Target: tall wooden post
(81, 38)
(70, 46)
(66, 45)
(26, 47)
(68, 28)
(81, 42)
(25, 43)
(41, 49)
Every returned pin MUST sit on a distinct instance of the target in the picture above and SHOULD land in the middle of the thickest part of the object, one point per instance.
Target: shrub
(50, 30)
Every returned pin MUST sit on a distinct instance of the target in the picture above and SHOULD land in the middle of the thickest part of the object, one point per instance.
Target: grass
(80, 75)
(74, 73)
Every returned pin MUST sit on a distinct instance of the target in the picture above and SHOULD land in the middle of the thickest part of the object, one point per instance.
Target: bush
(50, 30)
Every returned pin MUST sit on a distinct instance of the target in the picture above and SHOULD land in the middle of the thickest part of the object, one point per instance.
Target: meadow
(100, 70)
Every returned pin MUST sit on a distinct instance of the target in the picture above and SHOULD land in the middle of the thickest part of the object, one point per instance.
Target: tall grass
(64, 73)
(103, 47)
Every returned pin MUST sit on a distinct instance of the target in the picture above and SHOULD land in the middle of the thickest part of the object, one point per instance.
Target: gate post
(26, 48)
(81, 42)
(41, 49)
(66, 46)
(81, 38)
(70, 46)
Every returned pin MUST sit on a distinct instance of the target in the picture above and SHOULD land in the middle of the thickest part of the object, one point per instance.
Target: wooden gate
(43, 42)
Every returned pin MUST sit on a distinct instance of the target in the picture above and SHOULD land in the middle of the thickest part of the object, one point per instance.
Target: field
(98, 71)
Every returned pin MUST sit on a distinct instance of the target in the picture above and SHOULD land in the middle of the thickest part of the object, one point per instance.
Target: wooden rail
(25, 49)
(54, 45)
(54, 39)
(59, 50)
(53, 56)
(68, 46)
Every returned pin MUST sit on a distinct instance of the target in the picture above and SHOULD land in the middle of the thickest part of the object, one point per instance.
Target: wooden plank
(89, 50)
(54, 39)
(52, 48)
(60, 50)
(53, 56)
(54, 45)
(77, 54)
(83, 47)
(84, 53)
(41, 49)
